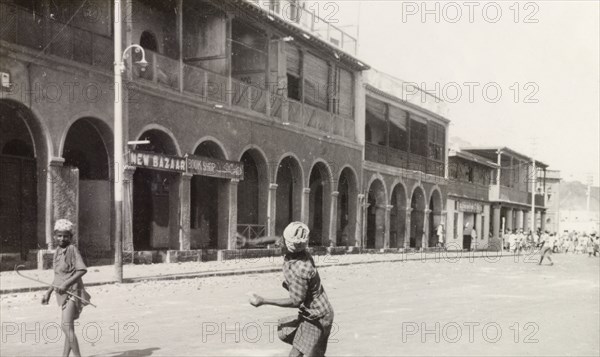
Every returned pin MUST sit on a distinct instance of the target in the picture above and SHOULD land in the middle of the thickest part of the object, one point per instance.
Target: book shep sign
(195, 165)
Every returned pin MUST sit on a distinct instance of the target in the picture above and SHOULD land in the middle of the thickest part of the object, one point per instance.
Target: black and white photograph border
(299, 178)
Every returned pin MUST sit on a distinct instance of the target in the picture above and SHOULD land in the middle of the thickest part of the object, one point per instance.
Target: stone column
(425, 242)
(305, 210)
(509, 219)
(526, 221)
(358, 234)
(363, 241)
(128, 172)
(407, 229)
(65, 200)
(184, 209)
(496, 213)
(486, 223)
(333, 218)
(479, 230)
(271, 209)
(232, 208)
(519, 219)
(387, 223)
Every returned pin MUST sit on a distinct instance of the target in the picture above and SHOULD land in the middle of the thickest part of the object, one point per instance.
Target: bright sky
(551, 51)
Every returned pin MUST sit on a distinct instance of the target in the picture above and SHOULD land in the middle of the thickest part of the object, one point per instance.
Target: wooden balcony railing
(22, 27)
(469, 190)
(398, 158)
(311, 22)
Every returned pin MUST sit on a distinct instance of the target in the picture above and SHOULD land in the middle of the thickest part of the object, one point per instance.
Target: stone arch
(377, 205)
(290, 187)
(418, 207)
(163, 134)
(156, 195)
(347, 207)
(253, 194)
(25, 151)
(217, 145)
(435, 206)
(88, 145)
(398, 200)
(319, 203)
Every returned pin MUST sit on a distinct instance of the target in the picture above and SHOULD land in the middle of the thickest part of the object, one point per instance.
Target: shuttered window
(398, 129)
(293, 60)
(418, 137)
(316, 81)
(345, 90)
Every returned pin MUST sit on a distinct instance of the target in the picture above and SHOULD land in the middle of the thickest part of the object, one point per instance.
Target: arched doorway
(347, 202)
(376, 215)
(209, 204)
(435, 217)
(86, 147)
(289, 193)
(417, 203)
(319, 204)
(398, 217)
(23, 163)
(253, 195)
(155, 198)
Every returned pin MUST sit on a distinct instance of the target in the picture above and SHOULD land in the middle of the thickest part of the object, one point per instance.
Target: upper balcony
(393, 157)
(511, 195)
(403, 139)
(222, 62)
(295, 13)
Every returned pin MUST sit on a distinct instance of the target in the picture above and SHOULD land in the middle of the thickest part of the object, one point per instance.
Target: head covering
(63, 225)
(296, 237)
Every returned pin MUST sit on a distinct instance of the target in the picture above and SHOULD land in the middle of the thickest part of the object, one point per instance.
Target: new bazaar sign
(195, 165)
(150, 160)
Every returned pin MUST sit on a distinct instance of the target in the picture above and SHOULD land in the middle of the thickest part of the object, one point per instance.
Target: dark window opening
(148, 41)
(293, 86)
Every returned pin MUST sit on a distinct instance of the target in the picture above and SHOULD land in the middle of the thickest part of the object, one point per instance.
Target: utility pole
(533, 182)
(118, 144)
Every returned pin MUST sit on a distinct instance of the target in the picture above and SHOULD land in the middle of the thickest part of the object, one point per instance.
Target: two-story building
(470, 177)
(511, 191)
(252, 113)
(404, 166)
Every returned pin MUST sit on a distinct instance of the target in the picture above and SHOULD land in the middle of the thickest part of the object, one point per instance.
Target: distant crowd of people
(568, 242)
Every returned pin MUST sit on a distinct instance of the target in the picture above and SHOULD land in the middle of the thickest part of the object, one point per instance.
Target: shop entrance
(155, 198)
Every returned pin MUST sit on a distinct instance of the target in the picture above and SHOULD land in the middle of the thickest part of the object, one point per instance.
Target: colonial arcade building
(404, 171)
(511, 191)
(469, 207)
(252, 121)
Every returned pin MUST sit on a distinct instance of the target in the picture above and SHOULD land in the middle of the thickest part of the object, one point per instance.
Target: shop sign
(470, 206)
(149, 160)
(207, 166)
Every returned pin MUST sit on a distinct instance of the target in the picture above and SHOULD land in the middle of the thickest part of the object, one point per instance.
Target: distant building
(510, 192)
(470, 178)
(551, 180)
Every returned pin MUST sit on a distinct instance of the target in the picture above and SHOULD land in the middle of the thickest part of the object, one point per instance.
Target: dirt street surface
(481, 307)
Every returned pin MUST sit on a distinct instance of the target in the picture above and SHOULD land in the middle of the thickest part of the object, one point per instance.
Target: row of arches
(326, 202)
(292, 198)
(401, 220)
(269, 197)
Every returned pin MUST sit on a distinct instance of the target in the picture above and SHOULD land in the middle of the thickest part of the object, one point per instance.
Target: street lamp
(119, 68)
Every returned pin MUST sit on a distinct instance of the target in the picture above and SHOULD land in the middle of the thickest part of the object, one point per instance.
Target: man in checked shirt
(308, 331)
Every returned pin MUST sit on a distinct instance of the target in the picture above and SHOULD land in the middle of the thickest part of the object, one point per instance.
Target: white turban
(296, 237)
(63, 225)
